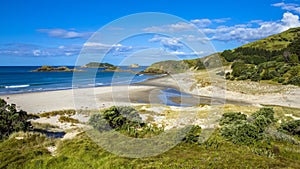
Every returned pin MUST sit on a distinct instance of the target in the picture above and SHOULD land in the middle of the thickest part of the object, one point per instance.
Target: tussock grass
(60, 112)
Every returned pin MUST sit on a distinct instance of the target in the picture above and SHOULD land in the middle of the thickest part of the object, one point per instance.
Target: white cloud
(29, 50)
(201, 22)
(288, 7)
(94, 47)
(65, 34)
(177, 27)
(172, 44)
(36, 52)
(253, 30)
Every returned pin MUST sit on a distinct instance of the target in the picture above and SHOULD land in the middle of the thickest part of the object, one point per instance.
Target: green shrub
(12, 120)
(294, 80)
(125, 120)
(281, 80)
(241, 133)
(266, 112)
(193, 135)
(291, 127)
(232, 117)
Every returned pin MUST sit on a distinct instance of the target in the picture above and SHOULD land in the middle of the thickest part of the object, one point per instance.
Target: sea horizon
(21, 79)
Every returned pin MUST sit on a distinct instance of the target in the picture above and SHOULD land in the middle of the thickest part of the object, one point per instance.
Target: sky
(65, 32)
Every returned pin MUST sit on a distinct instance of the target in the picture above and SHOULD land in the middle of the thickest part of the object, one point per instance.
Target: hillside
(275, 58)
(276, 42)
(172, 66)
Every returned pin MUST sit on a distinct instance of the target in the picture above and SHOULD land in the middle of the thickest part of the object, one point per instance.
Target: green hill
(172, 66)
(276, 42)
(274, 58)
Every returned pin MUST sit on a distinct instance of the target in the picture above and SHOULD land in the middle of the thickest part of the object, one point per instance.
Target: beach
(145, 93)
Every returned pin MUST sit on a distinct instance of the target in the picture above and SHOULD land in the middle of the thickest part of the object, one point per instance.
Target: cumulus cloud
(253, 30)
(288, 6)
(65, 34)
(172, 44)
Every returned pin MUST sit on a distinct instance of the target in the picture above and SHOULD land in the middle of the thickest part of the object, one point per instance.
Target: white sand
(88, 98)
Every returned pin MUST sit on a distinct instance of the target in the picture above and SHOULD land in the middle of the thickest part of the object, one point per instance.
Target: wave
(16, 86)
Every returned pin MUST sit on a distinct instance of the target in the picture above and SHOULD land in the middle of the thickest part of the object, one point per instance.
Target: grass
(60, 112)
(81, 152)
(276, 42)
(29, 150)
(66, 119)
(44, 126)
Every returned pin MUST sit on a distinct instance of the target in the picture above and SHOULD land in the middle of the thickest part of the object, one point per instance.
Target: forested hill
(274, 58)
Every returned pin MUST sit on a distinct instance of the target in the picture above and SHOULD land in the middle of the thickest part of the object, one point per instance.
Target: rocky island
(55, 69)
(99, 65)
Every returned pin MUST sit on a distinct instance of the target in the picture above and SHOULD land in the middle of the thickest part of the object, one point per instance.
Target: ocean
(21, 79)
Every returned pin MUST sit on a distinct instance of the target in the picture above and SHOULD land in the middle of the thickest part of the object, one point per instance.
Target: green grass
(66, 119)
(81, 152)
(276, 42)
(60, 112)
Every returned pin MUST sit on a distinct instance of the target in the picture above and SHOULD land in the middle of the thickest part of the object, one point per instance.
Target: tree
(12, 120)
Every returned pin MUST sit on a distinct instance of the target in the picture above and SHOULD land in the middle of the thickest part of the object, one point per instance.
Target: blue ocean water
(20, 79)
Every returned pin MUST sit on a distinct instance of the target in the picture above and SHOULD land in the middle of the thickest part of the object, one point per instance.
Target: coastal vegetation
(12, 120)
(255, 140)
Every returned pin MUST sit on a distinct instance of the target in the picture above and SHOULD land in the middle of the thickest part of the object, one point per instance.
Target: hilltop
(276, 42)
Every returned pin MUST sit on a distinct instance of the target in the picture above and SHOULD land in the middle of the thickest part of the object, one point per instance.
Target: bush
(266, 112)
(125, 120)
(240, 130)
(116, 118)
(12, 120)
(241, 133)
(281, 80)
(294, 80)
(193, 135)
(232, 117)
(291, 127)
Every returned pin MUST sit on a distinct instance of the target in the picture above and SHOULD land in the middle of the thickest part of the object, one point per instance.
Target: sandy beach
(145, 92)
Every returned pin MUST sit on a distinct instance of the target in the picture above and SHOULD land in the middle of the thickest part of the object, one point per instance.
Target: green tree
(12, 120)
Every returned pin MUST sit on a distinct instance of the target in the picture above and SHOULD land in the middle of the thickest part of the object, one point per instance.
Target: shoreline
(146, 92)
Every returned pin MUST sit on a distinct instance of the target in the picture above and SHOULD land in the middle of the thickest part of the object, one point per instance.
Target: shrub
(281, 80)
(12, 120)
(241, 133)
(294, 80)
(125, 120)
(193, 135)
(291, 127)
(232, 117)
(266, 112)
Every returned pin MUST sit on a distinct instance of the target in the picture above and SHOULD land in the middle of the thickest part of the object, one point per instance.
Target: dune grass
(81, 152)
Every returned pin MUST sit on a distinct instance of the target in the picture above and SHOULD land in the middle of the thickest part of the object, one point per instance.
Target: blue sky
(52, 32)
